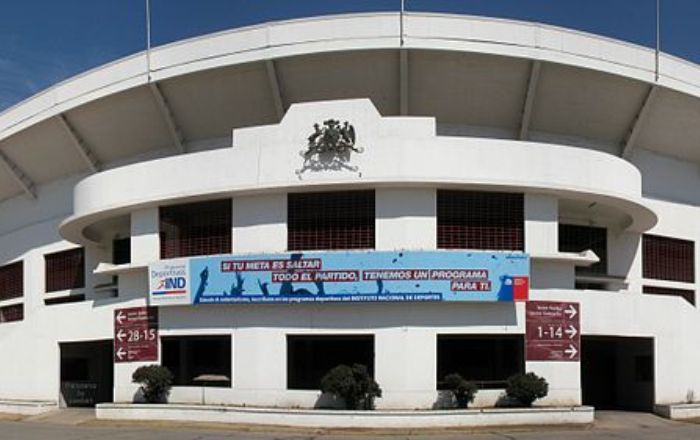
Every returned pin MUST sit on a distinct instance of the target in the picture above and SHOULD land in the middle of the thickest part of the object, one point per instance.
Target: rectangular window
(202, 228)
(121, 250)
(65, 270)
(486, 360)
(198, 360)
(12, 281)
(480, 220)
(309, 358)
(688, 295)
(330, 220)
(665, 258)
(12, 313)
(575, 238)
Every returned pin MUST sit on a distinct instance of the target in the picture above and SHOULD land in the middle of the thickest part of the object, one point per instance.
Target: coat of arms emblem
(329, 147)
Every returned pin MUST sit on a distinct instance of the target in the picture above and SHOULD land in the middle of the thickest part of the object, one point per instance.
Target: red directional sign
(136, 334)
(552, 331)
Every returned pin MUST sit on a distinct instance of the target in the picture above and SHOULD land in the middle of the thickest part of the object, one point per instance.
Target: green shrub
(352, 384)
(155, 381)
(526, 388)
(462, 390)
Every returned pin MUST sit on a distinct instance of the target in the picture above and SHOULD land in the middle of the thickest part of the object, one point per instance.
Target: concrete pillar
(625, 257)
(542, 238)
(405, 366)
(406, 219)
(145, 241)
(541, 224)
(260, 223)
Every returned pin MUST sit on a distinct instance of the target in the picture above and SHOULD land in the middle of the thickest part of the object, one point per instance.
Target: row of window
(486, 360)
(465, 220)
(346, 220)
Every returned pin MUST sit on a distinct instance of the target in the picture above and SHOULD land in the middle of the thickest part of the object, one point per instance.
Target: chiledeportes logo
(170, 280)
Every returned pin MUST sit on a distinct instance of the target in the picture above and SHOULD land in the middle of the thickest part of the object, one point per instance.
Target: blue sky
(45, 41)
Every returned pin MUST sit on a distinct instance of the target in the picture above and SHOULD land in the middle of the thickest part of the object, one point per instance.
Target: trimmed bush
(352, 384)
(526, 388)
(463, 391)
(155, 381)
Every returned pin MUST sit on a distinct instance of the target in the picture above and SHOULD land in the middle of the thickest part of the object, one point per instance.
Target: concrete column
(406, 219)
(405, 365)
(564, 380)
(542, 238)
(541, 224)
(145, 241)
(95, 254)
(625, 257)
(260, 223)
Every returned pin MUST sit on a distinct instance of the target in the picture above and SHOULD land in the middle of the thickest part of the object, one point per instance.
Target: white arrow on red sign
(571, 351)
(571, 331)
(121, 334)
(121, 353)
(571, 311)
(120, 317)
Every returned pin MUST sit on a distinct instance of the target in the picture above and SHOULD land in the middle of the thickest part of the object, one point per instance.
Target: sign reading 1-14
(552, 331)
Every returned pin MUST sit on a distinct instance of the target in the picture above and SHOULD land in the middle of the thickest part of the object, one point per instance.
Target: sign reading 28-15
(363, 276)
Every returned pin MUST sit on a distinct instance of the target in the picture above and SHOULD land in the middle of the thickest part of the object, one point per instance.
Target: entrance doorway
(617, 372)
(87, 373)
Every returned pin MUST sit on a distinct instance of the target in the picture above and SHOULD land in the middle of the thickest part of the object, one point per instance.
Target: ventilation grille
(202, 228)
(668, 259)
(480, 220)
(65, 270)
(12, 313)
(330, 220)
(11, 281)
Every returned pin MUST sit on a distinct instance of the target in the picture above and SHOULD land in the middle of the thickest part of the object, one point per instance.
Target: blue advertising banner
(363, 276)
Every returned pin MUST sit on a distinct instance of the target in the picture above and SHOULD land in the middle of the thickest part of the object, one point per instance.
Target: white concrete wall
(405, 334)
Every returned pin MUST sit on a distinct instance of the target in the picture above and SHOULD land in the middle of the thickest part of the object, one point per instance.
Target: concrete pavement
(80, 426)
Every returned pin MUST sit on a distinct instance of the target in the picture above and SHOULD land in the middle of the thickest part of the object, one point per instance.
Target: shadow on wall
(445, 400)
(341, 316)
(18, 243)
(328, 401)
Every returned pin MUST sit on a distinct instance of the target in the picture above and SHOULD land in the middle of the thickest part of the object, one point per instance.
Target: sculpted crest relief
(329, 147)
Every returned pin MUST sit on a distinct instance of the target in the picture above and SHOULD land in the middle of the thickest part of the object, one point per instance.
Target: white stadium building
(252, 188)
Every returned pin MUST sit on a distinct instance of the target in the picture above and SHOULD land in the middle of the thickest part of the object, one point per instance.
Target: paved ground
(79, 425)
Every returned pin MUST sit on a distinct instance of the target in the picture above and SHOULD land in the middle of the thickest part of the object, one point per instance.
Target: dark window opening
(198, 360)
(86, 372)
(644, 368)
(309, 358)
(665, 258)
(12, 313)
(688, 295)
(12, 281)
(202, 228)
(65, 270)
(480, 220)
(64, 299)
(580, 285)
(487, 361)
(575, 238)
(121, 250)
(330, 220)
(75, 369)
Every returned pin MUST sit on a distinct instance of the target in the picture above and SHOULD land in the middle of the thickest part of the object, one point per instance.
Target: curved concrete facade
(575, 123)
(269, 152)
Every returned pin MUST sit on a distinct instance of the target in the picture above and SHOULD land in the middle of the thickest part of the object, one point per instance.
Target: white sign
(168, 283)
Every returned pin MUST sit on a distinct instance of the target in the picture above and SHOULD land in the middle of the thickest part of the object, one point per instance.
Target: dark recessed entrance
(87, 373)
(617, 373)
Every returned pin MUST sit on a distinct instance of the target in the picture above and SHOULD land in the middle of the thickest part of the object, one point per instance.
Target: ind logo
(171, 286)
